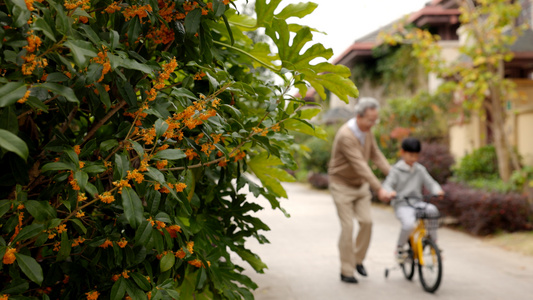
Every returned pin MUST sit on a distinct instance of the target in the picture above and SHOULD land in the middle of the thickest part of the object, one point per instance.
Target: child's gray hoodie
(408, 182)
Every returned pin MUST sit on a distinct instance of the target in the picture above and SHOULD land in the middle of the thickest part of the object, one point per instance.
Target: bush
(522, 178)
(318, 158)
(128, 133)
(438, 161)
(491, 185)
(314, 153)
(481, 163)
(483, 213)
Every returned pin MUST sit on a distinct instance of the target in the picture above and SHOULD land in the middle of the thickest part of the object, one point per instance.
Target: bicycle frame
(430, 271)
(416, 241)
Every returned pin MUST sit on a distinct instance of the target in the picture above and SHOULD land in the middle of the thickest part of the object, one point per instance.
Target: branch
(103, 121)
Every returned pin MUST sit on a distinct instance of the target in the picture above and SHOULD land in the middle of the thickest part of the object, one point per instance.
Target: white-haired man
(350, 180)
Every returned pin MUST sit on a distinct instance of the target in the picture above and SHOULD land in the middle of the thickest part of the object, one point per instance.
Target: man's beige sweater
(349, 160)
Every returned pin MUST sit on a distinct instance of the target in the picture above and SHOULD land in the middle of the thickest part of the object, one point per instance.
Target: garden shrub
(522, 178)
(318, 157)
(481, 163)
(129, 131)
(482, 213)
(437, 159)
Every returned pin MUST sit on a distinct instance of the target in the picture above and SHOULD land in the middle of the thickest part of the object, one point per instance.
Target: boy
(406, 179)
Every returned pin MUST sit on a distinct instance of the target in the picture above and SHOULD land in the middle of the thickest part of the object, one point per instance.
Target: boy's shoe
(401, 255)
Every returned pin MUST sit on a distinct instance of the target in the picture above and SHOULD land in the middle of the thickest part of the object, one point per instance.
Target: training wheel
(386, 273)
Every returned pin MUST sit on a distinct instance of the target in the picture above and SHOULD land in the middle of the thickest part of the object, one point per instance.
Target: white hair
(364, 104)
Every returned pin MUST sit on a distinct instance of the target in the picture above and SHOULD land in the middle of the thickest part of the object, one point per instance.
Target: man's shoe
(361, 270)
(348, 279)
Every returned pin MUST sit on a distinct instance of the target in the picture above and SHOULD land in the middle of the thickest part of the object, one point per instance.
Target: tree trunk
(507, 157)
(502, 150)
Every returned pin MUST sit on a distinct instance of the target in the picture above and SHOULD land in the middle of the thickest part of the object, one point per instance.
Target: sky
(344, 21)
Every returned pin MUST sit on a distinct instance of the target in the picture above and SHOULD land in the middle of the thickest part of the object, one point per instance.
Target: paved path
(303, 263)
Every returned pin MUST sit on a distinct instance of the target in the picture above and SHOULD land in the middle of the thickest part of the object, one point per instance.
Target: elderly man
(350, 178)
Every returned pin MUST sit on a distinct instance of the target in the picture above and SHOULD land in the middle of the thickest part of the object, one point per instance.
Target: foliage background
(129, 131)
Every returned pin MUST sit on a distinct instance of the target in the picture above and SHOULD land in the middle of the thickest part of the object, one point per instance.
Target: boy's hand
(385, 196)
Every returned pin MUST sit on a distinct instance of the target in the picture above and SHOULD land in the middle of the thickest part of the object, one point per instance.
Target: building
(442, 17)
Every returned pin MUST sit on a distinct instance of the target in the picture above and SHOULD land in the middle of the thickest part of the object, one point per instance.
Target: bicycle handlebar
(425, 198)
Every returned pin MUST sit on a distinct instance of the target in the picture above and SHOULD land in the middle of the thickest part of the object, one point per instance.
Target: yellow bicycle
(422, 252)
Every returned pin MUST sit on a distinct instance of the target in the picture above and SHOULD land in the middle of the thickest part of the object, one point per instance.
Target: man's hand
(385, 196)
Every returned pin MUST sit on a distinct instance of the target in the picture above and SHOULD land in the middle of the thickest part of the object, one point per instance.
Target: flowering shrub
(482, 213)
(128, 132)
(437, 159)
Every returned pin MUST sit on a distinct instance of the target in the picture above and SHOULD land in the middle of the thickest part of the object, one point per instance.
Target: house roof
(435, 12)
(431, 15)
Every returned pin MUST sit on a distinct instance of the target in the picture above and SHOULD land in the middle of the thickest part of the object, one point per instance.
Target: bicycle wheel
(408, 265)
(431, 271)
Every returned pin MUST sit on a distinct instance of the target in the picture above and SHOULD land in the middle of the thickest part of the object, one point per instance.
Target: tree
(129, 131)
(480, 85)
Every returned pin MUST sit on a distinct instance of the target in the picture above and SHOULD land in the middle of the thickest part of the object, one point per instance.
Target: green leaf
(11, 92)
(265, 167)
(167, 262)
(108, 145)
(126, 91)
(30, 267)
(89, 32)
(40, 24)
(57, 166)
(262, 53)
(304, 127)
(170, 154)
(265, 12)
(133, 208)
(81, 50)
(299, 10)
(40, 210)
(5, 205)
(321, 76)
(13, 143)
(104, 95)
(82, 179)
(61, 90)
(308, 113)
(56, 77)
(21, 13)
(79, 224)
(183, 93)
(9, 120)
(141, 281)
(91, 189)
(66, 247)
(122, 165)
(252, 259)
(16, 286)
(160, 127)
(119, 289)
(28, 232)
(134, 292)
(134, 29)
(143, 233)
(156, 175)
(117, 61)
(192, 21)
(94, 168)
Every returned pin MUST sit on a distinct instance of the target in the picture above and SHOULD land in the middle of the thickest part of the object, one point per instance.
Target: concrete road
(303, 262)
